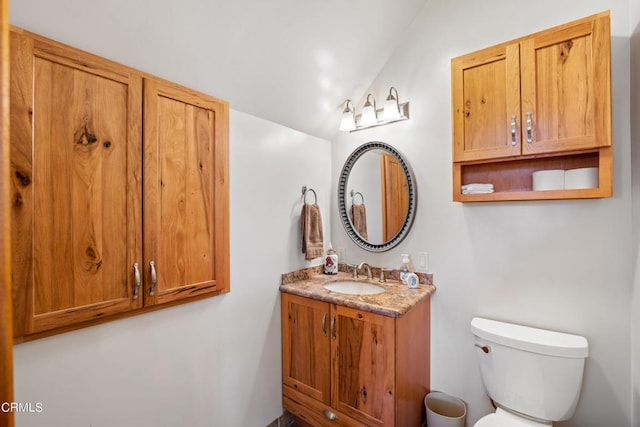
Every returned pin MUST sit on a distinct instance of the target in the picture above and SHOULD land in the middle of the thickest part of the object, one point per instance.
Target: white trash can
(444, 410)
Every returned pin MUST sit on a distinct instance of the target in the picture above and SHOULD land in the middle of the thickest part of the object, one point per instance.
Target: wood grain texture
(306, 344)
(363, 375)
(20, 182)
(186, 192)
(566, 86)
(413, 364)
(6, 318)
(486, 94)
(311, 411)
(395, 196)
(80, 234)
(71, 191)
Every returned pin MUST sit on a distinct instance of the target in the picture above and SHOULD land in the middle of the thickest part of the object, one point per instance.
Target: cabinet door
(306, 347)
(486, 104)
(76, 190)
(566, 87)
(363, 375)
(186, 199)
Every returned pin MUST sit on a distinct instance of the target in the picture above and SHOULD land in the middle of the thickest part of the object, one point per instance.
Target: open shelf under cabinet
(512, 179)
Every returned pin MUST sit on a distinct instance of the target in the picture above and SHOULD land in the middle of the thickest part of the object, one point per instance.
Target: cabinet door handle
(529, 127)
(513, 129)
(136, 275)
(324, 323)
(154, 278)
(333, 327)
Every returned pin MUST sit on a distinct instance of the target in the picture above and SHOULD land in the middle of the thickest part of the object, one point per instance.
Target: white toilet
(532, 375)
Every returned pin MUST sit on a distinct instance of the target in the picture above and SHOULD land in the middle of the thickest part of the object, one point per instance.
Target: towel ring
(305, 191)
(353, 197)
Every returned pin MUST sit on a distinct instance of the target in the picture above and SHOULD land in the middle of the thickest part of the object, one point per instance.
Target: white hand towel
(477, 186)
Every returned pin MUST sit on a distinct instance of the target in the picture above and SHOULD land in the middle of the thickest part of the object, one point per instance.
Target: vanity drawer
(313, 411)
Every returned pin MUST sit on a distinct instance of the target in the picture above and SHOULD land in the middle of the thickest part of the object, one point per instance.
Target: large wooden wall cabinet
(348, 367)
(77, 162)
(538, 102)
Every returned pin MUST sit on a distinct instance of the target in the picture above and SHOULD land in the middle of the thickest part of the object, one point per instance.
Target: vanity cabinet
(539, 102)
(90, 239)
(348, 367)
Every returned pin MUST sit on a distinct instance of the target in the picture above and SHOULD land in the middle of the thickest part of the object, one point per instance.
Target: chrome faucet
(354, 270)
(364, 264)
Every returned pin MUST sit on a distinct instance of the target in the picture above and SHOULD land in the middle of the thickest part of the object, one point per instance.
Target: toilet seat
(502, 418)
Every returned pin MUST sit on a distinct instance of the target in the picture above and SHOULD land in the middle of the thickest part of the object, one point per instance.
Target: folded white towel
(477, 191)
(477, 186)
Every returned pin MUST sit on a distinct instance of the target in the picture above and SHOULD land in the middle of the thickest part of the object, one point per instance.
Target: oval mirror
(377, 196)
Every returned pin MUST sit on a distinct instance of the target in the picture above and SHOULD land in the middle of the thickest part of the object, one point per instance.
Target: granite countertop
(396, 301)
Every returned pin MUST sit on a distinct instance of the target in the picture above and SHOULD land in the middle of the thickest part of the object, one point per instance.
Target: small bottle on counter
(331, 262)
(405, 268)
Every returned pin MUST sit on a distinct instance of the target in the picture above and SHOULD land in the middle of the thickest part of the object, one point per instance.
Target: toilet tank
(532, 371)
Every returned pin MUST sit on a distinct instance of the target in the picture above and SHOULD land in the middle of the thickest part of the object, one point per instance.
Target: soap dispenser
(331, 261)
(405, 268)
(407, 274)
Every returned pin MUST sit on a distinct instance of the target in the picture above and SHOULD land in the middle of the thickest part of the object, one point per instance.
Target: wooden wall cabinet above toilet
(538, 102)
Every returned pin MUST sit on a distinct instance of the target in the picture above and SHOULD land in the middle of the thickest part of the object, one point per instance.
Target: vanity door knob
(330, 415)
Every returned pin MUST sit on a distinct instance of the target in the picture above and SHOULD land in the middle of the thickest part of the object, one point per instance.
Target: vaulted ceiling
(289, 61)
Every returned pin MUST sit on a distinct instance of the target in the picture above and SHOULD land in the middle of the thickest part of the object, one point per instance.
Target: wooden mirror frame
(342, 193)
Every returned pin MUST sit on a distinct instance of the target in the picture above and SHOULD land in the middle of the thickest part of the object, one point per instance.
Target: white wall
(634, 29)
(215, 362)
(561, 265)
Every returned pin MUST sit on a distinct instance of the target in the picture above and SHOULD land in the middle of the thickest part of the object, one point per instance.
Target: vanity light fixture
(370, 116)
(391, 106)
(348, 122)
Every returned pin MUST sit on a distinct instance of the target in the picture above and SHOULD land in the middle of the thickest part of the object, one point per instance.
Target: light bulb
(369, 116)
(391, 107)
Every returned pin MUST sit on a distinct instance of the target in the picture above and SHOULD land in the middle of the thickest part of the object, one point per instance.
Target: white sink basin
(354, 288)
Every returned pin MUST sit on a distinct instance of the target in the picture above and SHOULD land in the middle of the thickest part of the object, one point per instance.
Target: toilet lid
(502, 418)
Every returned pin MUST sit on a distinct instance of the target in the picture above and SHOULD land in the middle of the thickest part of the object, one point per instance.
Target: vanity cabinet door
(186, 214)
(306, 346)
(363, 366)
(76, 188)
